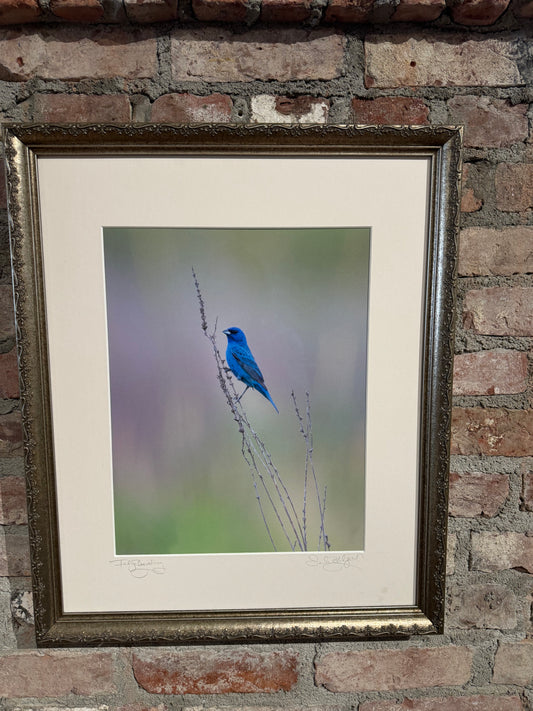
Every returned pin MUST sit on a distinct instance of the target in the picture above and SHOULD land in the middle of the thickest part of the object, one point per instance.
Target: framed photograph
(235, 348)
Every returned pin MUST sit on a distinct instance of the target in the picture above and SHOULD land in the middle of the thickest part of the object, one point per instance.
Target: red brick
(220, 10)
(489, 123)
(65, 108)
(187, 108)
(478, 12)
(398, 110)
(434, 59)
(7, 314)
(514, 186)
(285, 10)
(514, 663)
(490, 372)
(13, 501)
(210, 671)
(389, 669)
(499, 311)
(477, 493)
(71, 52)
(470, 201)
(527, 491)
(482, 607)
(348, 10)
(9, 378)
(13, 12)
(14, 562)
(502, 252)
(10, 434)
(151, 10)
(448, 703)
(213, 55)
(418, 10)
(266, 108)
(78, 10)
(28, 674)
(506, 550)
(492, 431)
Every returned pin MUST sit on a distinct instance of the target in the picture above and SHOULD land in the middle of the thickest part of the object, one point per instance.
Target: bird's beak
(226, 332)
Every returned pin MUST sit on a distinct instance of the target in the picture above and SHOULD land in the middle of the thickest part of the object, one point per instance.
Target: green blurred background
(301, 296)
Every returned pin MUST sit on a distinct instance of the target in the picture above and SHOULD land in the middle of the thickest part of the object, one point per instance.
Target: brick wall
(468, 62)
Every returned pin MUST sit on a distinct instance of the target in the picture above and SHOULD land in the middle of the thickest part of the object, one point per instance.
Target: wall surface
(470, 63)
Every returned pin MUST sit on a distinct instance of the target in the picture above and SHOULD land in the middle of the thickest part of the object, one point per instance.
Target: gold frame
(23, 144)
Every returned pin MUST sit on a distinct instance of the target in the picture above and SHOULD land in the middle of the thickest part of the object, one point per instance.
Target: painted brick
(15, 562)
(56, 674)
(77, 53)
(13, 501)
(482, 607)
(11, 434)
(78, 10)
(489, 123)
(505, 550)
(490, 372)
(418, 10)
(477, 493)
(188, 108)
(514, 186)
(448, 703)
(499, 311)
(64, 108)
(13, 12)
(527, 491)
(433, 59)
(397, 110)
(9, 377)
(214, 55)
(7, 314)
(238, 671)
(478, 12)
(285, 10)
(514, 663)
(348, 10)
(492, 431)
(144, 11)
(389, 669)
(283, 109)
(488, 251)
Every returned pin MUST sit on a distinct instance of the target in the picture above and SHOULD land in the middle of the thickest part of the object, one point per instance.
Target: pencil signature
(139, 568)
(333, 563)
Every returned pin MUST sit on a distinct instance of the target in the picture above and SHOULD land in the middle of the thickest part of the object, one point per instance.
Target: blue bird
(242, 363)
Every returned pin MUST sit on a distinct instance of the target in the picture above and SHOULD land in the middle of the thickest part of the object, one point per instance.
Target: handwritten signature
(139, 568)
(333, 563)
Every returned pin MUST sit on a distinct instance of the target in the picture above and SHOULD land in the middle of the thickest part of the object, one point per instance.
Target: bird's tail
(266, 394)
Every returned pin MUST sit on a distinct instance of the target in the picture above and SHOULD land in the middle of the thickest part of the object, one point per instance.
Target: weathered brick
(490, 372)
(470, 200)
(348, 10)
(499, 311)
(397, 110)
(14, 561)
(433, 59)
(13, 501)
(448, 703)
(527, 491)
(482, 607)
(7, 314)
(505, 550)
(523, 9)
(3, 193)
(514, 186)
(188, 108)
(489, 123)
(478, 12)
(38, 674)
(389, 669)
(283, 109)
(285, 10)
(451, 549)
(514, 663)
(78, 10)
(11, 434)
(501, 252)
(238, 671)
(492, 431)
(77, 53)
(9, 378)
(220, 10)
(13, 12)
(64, 108)
(144, 11)
(418, 10)
(477, 493)
(213, 55)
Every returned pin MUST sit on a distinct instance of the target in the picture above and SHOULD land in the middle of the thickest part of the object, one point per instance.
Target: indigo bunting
(242, 363)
